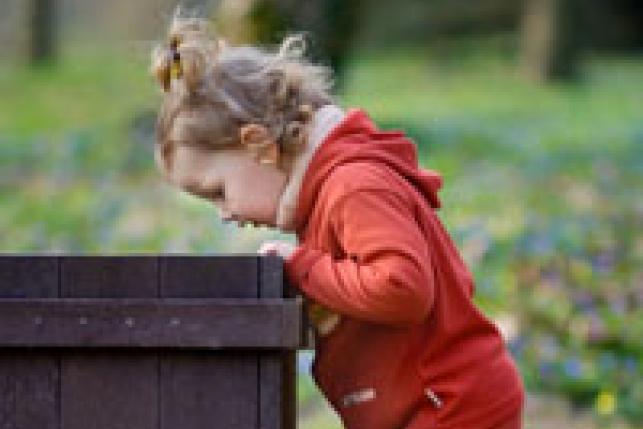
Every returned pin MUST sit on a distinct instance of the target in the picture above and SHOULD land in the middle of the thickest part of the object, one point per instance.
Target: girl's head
(233, 118)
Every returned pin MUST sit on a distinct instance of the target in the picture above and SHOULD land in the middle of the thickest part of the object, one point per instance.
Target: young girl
(399, 342)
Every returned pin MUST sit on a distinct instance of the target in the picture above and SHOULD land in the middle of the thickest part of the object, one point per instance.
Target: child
(399, 342)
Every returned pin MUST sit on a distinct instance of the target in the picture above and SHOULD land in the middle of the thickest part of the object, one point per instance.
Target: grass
(99, 89)
(486, 90)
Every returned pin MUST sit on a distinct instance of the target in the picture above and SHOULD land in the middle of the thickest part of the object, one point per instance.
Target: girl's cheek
(259, 209)
(232, 206)
(255, 194)
(260, 206)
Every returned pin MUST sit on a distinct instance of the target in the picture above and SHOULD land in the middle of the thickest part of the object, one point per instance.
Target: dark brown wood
(202, 390)
(208, 277)
(207, 323)
(29, 381)
(28, 390)
(277, 371)
(107, 389)
(108, 276)
(28, 276)
(274, 283)
(147, 342)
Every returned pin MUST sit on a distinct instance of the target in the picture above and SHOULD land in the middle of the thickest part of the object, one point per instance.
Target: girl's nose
(224, 214)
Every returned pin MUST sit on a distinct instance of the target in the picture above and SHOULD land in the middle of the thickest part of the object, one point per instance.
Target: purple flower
(549, 347)
(516, 345)
(573, 367)
(604, 261)
(546, 369)
(584, 301)
(630, 364)
(552, 277)
(618, 304)
(597, 329)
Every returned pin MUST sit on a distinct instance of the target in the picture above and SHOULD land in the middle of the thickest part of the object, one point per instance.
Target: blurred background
(532, 110)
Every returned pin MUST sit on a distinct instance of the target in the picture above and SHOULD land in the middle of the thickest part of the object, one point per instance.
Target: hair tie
(176, 71)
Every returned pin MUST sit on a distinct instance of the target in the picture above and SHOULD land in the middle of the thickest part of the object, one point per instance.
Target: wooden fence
(138, 342)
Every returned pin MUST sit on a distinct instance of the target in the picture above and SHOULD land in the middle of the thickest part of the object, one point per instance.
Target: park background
(532, 111)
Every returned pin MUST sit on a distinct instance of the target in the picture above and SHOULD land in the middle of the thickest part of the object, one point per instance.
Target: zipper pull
(433, 397)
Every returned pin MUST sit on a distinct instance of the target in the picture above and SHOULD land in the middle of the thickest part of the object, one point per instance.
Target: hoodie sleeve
(385, 276)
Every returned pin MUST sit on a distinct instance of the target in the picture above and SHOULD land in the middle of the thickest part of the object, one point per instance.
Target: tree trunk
(551, 39)
(330, 23)
(43, 31)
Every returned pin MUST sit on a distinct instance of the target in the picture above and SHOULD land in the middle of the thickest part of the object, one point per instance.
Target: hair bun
(192, 47)
(193, 64)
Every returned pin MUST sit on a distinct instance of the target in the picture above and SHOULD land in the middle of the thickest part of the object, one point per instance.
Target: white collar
(323, 121)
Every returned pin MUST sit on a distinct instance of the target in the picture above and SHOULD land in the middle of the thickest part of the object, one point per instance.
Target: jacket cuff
(297, 265)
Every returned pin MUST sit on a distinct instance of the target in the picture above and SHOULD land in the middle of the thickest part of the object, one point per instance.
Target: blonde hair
(212, 89)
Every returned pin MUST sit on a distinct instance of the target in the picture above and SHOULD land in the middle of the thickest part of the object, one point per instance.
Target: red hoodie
(411, 350)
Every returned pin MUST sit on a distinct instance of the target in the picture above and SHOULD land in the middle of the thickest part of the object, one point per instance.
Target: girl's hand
(280, 248)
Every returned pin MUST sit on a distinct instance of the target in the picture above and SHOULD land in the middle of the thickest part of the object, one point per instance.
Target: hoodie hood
(324, 120)
(366, 143)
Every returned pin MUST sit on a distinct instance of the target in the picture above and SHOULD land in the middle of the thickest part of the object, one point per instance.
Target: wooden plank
(273, 283)
(271, 394)
(271, 279)
(28, 381)
(28, 276)
(215, 276)
(208, 323)
(277, 370)
(205, 390)
(202, 390)
(28, 390)
(108, 276)
(289, 386)
(109, 389)
(102, 388)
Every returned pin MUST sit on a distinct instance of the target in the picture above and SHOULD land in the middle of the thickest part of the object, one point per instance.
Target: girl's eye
(217, 194)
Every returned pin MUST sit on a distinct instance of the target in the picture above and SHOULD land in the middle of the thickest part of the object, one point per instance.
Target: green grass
(100, 88)
(485, 90)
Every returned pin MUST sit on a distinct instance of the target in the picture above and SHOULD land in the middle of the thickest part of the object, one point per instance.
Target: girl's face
(240, 187)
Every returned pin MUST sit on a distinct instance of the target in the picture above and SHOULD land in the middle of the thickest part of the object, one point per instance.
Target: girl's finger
(267, 248)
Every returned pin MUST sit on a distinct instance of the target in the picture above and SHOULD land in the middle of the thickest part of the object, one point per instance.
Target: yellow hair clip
(175, 69)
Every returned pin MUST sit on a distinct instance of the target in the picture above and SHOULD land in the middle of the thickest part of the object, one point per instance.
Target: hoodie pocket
(384, 402)
(425, 411)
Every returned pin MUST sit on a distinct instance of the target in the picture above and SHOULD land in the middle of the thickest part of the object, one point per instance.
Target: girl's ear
(257, 140)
